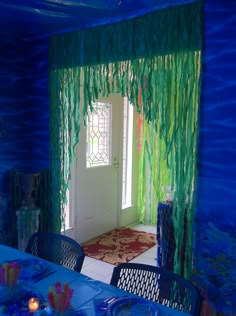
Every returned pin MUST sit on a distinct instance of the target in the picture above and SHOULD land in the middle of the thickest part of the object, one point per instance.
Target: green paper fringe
(83, 66)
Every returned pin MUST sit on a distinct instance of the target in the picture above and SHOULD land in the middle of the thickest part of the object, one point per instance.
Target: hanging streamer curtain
(168, 154)
(157, 54)
(154, 173)
(64, 135)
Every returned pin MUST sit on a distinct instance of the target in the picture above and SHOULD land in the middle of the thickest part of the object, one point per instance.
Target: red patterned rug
(120, 245)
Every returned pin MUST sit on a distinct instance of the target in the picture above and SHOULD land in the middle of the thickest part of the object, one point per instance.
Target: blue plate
(132, 306)
(31, 268)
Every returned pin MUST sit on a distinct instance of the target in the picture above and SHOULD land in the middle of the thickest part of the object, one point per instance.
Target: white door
(97, 170)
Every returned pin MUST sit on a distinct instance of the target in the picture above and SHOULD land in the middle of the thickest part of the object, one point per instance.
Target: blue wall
(216, 208)
(217, 168)
(24, 116)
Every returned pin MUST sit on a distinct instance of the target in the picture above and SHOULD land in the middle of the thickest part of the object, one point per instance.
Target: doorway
(98, 170)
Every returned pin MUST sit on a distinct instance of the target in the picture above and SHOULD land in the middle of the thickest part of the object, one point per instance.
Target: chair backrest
(57, 248)
(158, 285)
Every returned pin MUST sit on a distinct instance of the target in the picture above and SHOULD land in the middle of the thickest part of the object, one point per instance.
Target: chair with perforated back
(158, 285)
(57, 248)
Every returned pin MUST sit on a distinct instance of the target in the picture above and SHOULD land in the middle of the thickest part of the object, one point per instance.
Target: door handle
(115, 162)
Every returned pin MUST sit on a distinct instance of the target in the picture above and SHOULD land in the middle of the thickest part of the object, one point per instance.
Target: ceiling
(38, 18)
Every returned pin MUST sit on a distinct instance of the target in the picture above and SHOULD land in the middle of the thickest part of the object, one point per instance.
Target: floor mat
(120, 245)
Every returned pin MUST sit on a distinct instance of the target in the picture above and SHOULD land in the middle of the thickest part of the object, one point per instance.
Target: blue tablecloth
(86, 290)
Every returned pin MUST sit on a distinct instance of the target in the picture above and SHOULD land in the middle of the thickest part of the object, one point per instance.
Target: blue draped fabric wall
(24, 116)
(216, 215)
(217, 139)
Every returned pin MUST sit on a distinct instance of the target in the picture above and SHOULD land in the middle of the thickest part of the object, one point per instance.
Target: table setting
(15, 294)
(21, 299)
(18, 295)
(31, 286)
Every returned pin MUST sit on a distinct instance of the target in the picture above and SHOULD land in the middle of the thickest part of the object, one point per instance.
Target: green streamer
(159, 53)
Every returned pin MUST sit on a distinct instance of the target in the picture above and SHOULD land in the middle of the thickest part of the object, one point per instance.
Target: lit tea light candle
(33, 304)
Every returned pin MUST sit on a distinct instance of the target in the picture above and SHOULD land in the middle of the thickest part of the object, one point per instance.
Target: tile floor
(102, 271)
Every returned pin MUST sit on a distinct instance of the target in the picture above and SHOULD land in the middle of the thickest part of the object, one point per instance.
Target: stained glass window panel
(99, 135)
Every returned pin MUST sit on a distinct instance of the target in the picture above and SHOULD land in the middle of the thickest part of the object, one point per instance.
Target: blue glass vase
(10, 294)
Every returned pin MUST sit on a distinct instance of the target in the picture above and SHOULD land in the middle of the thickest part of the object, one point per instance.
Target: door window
(99, 135)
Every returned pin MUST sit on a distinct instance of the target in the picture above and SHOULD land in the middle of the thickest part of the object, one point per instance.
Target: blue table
(86, 290)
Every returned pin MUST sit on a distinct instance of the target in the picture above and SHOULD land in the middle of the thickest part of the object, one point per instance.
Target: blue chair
(57, 248)
(158, 285)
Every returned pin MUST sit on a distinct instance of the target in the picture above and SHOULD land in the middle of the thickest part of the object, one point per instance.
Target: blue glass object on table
(32, 270)
(101, 305)
(132, 306)
(19, 304)
(9, 294)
